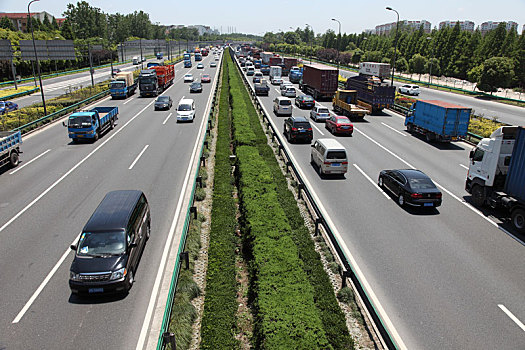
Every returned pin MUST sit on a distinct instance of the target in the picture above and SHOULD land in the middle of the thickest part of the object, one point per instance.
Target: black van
(110, 245)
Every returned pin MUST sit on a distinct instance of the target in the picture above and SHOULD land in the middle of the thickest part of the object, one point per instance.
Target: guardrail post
(203, 161)
(199, 181)
(206, 144)
(193, 210)
(300, 188)
(288, 165)
(209, 124)
(169, 337)
(317, 223)
(344, 275)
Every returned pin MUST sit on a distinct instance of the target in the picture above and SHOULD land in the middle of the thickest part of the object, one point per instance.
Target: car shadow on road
(419, 211)
(96, 299)
(442, 146)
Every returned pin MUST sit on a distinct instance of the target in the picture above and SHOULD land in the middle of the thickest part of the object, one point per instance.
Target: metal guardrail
(164, 335)
(348, 269)
(19, 94)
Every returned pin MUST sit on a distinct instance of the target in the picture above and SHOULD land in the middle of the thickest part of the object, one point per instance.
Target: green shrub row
(220, 306)
(243, 134)
(331, 315)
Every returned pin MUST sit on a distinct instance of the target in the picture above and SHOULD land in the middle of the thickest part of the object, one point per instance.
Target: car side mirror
(471, 154)
(73, 247)
(132, 245)
(312, 146)
(64, 124)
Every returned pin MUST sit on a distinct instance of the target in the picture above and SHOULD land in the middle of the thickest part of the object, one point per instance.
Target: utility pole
(90, 65)
(395, 45)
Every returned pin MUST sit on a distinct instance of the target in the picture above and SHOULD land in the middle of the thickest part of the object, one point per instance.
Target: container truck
(148, 85)
(289, 62)
(372, 93)
(265, 56)
(10, 148)
(380, 70)
(165, 76)
(496, 174)
(91, 124)
(123, 85)
(438, 120)
(319, 80)
(344, 103)
(275, 61)
(275, 72)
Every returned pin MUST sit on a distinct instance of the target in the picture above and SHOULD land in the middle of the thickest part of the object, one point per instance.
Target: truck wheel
(518, 219)
(410, 128)
(96, 136)
(429, 137)
(13, 159)
(112, 124)
(478, 196)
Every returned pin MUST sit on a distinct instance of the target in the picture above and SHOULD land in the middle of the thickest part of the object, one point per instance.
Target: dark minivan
(110, 245)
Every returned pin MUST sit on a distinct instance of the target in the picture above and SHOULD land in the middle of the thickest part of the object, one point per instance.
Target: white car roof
(186, 101)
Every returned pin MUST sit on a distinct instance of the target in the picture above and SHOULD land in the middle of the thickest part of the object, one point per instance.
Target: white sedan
(188, 78)
(409, 90)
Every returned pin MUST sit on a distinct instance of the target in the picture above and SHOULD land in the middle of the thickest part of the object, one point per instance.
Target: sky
(258, 17)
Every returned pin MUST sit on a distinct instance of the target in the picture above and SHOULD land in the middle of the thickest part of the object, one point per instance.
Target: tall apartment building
(486, 27)
(464, 25)
(385, 29)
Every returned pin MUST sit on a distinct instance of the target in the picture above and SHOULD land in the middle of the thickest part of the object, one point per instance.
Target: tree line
(494, 60)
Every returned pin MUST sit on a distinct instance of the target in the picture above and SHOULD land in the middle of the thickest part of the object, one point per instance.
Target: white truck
(380, 70)
(275, 72)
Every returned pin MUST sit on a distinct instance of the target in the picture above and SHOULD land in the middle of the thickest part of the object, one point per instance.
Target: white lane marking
(181, 99)
(463, 166)
(72, 169)
(129, 100)
(168, 117)
(375, 301)
(278, 90)
(462, 201)
(29, 162)
(316, 128)
(512, 317)
(371, 181)
(138, 157)
(388, 126)
(43, 284)
(163, 260)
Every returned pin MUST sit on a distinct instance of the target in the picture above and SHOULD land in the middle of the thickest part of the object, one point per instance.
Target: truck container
(319, 80)
(344, 103)
(91, 124)
(261, 88)
(380, 70)
(123, 85)
(289, 62)
(438, 120)
(372, 93)
(265, 56)
(10, 148)
(165, 76)
(148, 84)
(496, 175)
(275, 61)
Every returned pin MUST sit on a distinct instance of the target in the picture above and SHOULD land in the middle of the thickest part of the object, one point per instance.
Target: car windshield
(163, 99)
(343, 120)
(117, 84)
(323, 110)
(421, 183)
(147, 80)
(102, 243)
(195, 85)
(188, 76)
(336, 155)
(205, 76)
(308, 98)
(285, 103)
(80, 121)
(184, 108)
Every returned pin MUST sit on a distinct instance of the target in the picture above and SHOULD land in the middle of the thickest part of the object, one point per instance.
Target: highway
(509, 114)
(48, 198)
(448, 278)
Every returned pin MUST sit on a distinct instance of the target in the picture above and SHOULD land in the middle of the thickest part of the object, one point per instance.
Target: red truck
(289, 62)
(165, 75)
(204, 52)
(276, 60)
(319, 80)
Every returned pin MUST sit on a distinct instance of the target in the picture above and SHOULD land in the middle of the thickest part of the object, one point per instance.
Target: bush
(345, 295)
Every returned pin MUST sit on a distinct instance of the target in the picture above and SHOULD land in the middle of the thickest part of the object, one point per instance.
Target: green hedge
(220, 305)
(331, 315)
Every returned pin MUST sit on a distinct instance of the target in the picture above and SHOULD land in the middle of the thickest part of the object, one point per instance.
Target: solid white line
(463, 166)
(72, 169)
(29, 162)
(138, 157)
(316, 128)
(131, 98)
(168, 117)
(43, 284)
(371, 181)
(160, 272)
(388, 126)
(512, 317)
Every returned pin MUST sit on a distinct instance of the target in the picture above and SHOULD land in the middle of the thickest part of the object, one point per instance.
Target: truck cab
(89, 124)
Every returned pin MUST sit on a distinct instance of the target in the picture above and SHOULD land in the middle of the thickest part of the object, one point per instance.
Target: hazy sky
(259, 16)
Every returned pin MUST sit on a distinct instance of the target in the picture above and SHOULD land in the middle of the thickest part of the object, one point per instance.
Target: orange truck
(165, 76)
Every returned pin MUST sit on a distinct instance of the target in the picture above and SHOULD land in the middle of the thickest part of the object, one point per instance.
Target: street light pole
(338, 46)
(141, 59)
(430, 71)
(36, 57)
(311, 53)
(395, 45)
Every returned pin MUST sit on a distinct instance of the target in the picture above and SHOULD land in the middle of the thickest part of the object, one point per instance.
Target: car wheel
(148, 231)
(131, 279)
(518, 220)
(380, 182)
(401, 200)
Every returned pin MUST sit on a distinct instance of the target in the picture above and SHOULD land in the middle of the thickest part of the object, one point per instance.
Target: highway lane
(440, 275)
(31, 245)
(505, 113)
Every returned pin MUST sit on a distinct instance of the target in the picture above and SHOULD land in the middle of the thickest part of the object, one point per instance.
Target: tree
(373, 56)
(357, 56)
(497, 72)
(66, 31)
(434, 64)
(519, 56)
(87, 21)
(292, 38)
(6, 24)
(417, 64)
(402, 65)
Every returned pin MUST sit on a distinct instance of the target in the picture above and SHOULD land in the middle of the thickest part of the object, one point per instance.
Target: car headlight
(74, 276)
(120, 273)
(91, 132)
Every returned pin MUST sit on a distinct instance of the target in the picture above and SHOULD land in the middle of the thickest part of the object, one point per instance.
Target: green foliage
(345, 295)
(6, 23)
(497, 72)
(417, 64)
(482, 126)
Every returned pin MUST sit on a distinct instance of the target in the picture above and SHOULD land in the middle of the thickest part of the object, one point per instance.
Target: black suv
(298, 128)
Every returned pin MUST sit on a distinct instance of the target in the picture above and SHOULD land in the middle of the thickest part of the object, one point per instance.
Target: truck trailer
(496, 174)
(319, 80)
(372, 93)
(91, 124)
(344, 103)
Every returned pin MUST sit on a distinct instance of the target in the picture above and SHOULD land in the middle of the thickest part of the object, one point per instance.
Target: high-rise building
(385, 29)
(486, 27)
(464, 25)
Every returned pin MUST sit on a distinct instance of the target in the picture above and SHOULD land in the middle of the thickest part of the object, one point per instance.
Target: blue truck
(198, 56)
(265, 69)
(438, 120)
(10, 148)
(123, 85)
(295, 75)
(91, 124)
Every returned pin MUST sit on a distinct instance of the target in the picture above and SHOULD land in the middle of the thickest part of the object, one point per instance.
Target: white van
(282, 106)
(136, 60)
(186, 110)
(329, 157)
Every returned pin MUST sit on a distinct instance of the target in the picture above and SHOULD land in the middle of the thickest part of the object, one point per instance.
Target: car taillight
(416, 195)
(309, 129)
(345, 163)
(439, 195)
(327, 163)
(294, 129)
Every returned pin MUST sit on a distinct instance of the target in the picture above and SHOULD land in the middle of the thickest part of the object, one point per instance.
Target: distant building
(486, 27)
(385, 29)
(200, 28)
(370, 31)
(464, 25)
(20, 19)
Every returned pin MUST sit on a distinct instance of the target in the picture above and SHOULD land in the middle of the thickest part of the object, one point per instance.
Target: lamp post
(309, 26)
(338, 45)
(141, 59)
(395, 45)
(36, 57)
(430, 70)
